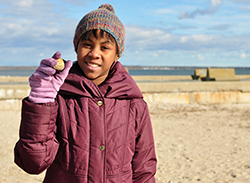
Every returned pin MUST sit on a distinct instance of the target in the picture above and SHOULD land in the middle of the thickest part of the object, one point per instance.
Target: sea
(137, 71)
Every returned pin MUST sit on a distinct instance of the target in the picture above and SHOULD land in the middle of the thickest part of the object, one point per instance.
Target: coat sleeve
(37, 146)
(144, 161)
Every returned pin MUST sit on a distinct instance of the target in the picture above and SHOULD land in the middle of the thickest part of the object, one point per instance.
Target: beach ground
(194, 143)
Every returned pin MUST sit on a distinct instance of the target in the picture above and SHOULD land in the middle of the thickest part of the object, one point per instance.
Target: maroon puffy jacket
(90, 134)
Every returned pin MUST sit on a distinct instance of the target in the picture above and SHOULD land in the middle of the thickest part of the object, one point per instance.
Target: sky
(158, 33)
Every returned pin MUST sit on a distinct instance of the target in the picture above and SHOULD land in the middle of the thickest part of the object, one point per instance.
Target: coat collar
(119, 84)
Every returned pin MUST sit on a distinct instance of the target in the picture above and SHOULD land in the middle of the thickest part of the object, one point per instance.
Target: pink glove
(46, 82)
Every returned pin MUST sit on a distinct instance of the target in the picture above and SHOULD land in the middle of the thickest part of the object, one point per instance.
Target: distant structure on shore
(177, 67)
(131, 67)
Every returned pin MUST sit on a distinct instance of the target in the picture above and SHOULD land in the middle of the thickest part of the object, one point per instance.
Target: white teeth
(92, 65)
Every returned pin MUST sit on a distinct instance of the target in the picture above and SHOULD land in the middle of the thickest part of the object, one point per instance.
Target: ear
(116, 57)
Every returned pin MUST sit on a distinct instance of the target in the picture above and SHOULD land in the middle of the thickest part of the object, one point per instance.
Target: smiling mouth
(92, 64)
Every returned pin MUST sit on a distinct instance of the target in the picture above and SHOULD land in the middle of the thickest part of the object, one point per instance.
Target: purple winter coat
(90, 134)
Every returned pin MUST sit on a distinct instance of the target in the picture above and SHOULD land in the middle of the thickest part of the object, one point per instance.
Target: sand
(194, 143)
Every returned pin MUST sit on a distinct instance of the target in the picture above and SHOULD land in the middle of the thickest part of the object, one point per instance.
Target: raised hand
(45, 82)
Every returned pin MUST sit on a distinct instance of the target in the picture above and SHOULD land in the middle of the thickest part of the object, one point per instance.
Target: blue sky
(160, 33)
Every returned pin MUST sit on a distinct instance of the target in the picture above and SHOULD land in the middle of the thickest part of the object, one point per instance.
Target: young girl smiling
(89, 122)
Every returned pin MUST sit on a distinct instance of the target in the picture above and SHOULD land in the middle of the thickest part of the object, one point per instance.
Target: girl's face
(96, 55)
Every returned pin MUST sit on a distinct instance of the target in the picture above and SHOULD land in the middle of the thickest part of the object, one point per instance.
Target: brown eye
(86, 45)
(105, 47)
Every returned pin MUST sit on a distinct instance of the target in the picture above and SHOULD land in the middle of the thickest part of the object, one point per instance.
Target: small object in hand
(60, 64)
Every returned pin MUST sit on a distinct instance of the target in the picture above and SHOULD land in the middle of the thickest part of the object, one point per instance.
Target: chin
(90, 76)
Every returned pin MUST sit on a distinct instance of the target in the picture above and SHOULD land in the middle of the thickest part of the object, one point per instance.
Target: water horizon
(134, 71)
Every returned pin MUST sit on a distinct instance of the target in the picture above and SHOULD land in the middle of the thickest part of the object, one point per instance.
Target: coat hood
(119, 84)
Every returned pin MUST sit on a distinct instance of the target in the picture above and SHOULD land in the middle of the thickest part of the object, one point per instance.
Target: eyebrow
(109, 42)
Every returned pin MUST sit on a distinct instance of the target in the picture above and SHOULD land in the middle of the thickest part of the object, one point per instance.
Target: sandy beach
(194, 143)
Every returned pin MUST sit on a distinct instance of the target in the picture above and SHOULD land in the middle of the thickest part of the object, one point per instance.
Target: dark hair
(102, 34)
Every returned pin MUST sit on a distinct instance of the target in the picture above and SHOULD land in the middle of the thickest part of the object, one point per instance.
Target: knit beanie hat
(103, 18)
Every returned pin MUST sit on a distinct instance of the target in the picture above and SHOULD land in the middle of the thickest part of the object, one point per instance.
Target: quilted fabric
(91, 134)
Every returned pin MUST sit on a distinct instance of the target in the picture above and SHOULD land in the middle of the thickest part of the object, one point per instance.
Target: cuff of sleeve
(40, 100)
(48, 107)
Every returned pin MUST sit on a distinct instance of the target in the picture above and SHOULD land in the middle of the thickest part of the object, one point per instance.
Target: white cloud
(155, 54)
(216, 3)
(32, 29)
(145, 38)
(207, 11)
(77, 2)
(196, 38)
(24, 3)
(157, 44)
(159, 39)
(41, 22)
(245, 7)
(202, 38)
(200, 57)
(212, 8)
(243, 55)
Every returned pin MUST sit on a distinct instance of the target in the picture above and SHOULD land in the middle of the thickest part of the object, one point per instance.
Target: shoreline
(160, 89)
(142, 78)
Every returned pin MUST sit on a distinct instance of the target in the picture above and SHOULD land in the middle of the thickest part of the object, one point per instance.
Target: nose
(94, 53)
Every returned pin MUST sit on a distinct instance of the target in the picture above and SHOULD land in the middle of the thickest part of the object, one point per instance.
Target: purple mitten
(45, 82)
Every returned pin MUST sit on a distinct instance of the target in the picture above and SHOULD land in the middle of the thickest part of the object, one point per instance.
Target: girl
(89, 122)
